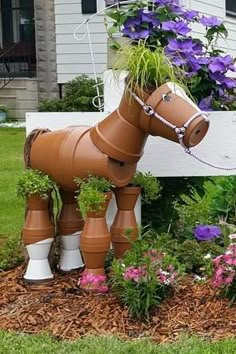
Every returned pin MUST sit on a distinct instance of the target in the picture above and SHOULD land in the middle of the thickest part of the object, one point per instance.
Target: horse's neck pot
(119, 135)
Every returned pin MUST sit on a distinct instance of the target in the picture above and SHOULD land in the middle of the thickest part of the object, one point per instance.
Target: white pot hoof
(70, 260)
(39, 250)
(71, 242)
(38, 270)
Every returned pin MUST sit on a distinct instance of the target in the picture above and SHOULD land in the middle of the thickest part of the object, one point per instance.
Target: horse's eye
(166, 97)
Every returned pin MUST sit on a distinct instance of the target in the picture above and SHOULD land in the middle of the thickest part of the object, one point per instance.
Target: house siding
(73, 57)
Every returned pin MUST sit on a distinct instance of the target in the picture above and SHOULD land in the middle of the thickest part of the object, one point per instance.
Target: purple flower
(166, 2)
(206, 232)
(222, 64)
(185, 46)
(190, 15)
(148, 17)
(205, 104)
(179, 27)
(211, 21)
(134, 31)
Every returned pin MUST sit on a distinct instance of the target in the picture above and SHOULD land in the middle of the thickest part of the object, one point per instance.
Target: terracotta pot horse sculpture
(111, 149)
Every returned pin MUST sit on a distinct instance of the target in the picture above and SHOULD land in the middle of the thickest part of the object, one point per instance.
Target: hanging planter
(93, 200)
(38, 231)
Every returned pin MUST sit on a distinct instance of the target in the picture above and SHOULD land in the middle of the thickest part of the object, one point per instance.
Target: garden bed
(61, 309)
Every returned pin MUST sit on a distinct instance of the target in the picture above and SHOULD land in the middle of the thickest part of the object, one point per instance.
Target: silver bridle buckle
(148, 110)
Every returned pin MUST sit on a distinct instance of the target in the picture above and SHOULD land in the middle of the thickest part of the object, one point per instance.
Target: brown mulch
(61, 309)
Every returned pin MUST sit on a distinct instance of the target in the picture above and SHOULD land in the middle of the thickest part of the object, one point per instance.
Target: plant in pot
(93, 197)
(3, 113)
(38, 230)
(124, 230)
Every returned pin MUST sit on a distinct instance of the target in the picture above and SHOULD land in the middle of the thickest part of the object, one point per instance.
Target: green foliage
(11, 253)
(52, 105)
(34, 182)
(4, 109)
(193, 255)
(144, 277)
(148, 69)
(91, 194)
(150, 185)
(162, 214)
(223, 202)
(78, 97)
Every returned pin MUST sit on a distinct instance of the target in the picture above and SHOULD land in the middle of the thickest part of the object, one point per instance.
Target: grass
(31, 344)
(11, 206)
(11, 166)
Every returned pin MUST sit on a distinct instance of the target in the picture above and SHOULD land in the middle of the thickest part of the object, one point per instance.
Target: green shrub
(193, 255)
(11, 253)
(162, 214)
(78, 97)
(51, 105)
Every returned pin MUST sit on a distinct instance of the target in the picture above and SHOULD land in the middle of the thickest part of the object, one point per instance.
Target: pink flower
(94, 282)
(134, 273)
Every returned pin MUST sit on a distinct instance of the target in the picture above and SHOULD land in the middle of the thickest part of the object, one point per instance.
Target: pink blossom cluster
(134, 273)
(168, 276)
(225, 267)
(94, 282)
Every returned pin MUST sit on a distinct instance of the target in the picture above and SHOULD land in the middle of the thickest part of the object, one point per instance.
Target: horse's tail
(29, 142)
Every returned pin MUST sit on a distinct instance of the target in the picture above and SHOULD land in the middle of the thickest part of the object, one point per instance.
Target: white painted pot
(38, 267)
(70, 254)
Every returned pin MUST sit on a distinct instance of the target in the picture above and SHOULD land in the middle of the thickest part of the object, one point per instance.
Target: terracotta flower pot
(38, 226)
(95, 239)
(70, 219)
(125, 219)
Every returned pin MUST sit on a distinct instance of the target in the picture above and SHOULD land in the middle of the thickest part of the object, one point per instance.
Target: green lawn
(11, 165)
(25, 344)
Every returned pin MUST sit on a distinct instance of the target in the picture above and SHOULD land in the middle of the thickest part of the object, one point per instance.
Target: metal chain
(179, 132)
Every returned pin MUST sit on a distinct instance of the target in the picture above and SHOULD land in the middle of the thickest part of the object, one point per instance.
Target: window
(231, 8)
(89, 6)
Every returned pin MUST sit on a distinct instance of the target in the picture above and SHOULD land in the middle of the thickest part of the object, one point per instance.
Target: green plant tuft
(150, 185)
(34, 182)
(147, 69)
(91, 193)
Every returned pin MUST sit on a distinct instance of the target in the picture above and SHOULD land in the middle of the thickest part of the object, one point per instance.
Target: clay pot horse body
(113, 147)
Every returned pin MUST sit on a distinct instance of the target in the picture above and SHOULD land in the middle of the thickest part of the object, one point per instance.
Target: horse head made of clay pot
(171, 114)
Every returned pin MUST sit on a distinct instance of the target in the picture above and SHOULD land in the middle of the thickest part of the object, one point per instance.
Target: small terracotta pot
(70, 219)
(38, 226)
(95, 239)
(125, 219)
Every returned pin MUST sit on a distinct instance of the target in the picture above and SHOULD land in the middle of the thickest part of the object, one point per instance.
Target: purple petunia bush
(208, 71)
